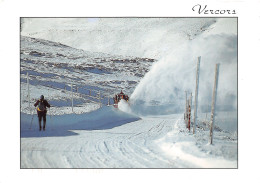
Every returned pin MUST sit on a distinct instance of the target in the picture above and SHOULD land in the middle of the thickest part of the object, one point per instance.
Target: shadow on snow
(101, 119)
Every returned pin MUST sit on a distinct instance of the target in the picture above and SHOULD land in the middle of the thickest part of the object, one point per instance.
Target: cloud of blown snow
(175, 73)
(124, 106)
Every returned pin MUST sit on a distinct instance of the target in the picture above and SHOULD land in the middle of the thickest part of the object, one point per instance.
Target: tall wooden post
(213, 105)
(196, 95)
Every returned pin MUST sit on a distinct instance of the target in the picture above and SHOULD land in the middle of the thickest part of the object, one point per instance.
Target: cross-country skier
(41, 111)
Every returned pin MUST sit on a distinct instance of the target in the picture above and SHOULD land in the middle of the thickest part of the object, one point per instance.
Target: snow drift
(101, 119)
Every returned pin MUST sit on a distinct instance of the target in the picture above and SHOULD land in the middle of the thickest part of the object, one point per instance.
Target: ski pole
(50, 118)
(31, 122)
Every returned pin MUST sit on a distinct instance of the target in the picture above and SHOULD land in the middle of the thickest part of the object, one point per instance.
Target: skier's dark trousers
(41, 111)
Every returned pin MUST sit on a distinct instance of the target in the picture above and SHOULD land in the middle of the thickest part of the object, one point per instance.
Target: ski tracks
(128, 146)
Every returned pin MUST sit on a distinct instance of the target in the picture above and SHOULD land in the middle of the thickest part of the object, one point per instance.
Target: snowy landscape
(79, 64)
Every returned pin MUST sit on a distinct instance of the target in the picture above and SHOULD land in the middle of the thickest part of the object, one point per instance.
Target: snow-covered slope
(53, 67)
(141, 37)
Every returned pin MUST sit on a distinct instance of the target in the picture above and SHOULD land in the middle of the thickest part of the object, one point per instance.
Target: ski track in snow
(140, 144)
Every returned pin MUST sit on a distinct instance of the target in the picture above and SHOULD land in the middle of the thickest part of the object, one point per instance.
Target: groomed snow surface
(110, 138)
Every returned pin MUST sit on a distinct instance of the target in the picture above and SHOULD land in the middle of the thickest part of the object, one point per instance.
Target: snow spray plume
(162, 90)
(124, 106)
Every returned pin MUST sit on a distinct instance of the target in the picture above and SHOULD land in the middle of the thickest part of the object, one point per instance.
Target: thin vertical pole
(196, 95)
(108, 100)
(72, 97)
(190, 100)
(49, 93)
(186, 109)
(100, 99)
(189, 115)
(190, 106)
(28, 91)
(213, 105)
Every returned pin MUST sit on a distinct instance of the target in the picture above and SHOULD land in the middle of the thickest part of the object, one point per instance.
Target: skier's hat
(41, 97)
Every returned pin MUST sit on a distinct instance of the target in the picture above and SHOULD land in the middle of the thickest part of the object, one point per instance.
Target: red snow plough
(119, 97)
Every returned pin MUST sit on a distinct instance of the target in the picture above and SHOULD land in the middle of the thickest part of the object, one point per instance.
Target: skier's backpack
(41, 106)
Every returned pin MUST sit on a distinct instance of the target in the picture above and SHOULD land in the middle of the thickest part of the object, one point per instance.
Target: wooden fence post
(213, 105)
(196, 95)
